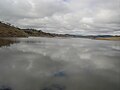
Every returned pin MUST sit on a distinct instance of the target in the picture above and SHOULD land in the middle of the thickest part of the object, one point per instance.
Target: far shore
(108, 38)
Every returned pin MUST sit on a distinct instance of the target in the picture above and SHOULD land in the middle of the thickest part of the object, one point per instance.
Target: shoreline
(108, 38)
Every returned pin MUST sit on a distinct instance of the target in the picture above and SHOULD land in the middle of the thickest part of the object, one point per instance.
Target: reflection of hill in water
(6, 42)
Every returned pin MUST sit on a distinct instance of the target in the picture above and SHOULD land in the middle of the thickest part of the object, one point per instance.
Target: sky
(64, 16)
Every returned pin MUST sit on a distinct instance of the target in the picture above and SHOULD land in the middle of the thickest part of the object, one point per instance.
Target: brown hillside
(39, 33)
(6, 30)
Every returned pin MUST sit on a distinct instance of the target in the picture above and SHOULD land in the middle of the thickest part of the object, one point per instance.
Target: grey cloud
(64, 16)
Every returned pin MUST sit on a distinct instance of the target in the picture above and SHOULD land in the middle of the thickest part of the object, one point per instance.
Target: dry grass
(10, 31)
(109, 38)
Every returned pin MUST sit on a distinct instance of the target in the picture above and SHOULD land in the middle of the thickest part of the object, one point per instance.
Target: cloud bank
(64, 16)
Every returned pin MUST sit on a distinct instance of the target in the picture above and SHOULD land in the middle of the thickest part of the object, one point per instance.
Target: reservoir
(38, 63)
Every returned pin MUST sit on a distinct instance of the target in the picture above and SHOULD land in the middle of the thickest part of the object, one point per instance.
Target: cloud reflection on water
(83, 64)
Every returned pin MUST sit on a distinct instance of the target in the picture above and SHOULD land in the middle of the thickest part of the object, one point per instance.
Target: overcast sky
(64, 16)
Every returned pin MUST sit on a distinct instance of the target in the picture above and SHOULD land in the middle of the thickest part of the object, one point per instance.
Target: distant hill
(40, 33)
(7, 30)
(37, 33)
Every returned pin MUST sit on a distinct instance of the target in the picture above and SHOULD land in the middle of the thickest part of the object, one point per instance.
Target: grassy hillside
(6, 30)
(37, 33)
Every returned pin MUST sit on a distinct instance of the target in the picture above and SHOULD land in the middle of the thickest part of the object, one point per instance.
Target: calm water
(60, 64)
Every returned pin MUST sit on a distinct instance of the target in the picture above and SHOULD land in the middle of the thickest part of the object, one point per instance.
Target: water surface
(60, 64)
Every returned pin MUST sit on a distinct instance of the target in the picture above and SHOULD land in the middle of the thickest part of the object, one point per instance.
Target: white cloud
(64, 16)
